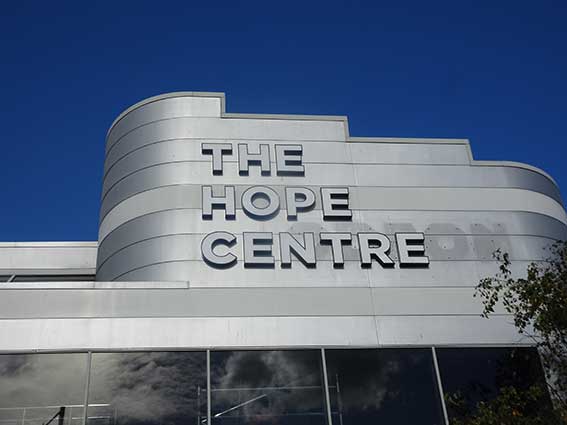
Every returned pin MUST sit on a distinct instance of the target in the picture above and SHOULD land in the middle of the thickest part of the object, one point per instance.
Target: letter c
(210, 242)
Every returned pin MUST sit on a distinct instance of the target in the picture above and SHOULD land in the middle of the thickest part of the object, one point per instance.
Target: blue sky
(494, 72)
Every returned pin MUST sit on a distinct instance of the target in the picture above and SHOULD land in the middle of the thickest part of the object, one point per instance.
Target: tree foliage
(538, 305)
(511, 407)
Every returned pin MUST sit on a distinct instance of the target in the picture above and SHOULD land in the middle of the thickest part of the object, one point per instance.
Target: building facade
(272, 269)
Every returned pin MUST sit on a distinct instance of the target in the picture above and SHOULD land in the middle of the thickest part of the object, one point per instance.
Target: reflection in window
(267, 387)
(388, 386)
(472, 375)
(165, 388)
(38, 389)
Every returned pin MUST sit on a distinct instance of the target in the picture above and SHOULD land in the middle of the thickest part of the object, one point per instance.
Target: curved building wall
(155, 291)
(264, 337)
(151, 223)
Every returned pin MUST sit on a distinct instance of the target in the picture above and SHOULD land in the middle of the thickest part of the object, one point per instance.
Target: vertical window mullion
(87, 385)
(326, 384)
(440, 386)
(209, 387)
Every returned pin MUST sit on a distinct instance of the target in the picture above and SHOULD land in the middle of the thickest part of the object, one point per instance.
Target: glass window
(472, 375)
(55, 278)
(386, 386)
(267, 387)
(38, 389)
(165, 388)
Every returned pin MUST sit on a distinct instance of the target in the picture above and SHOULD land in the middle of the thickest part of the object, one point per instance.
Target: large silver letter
(246, 158)
(288, 160)
(216, 150)
(337, 240)
(208, 249)
(335, 203)
(258, 249)
(374, 245)
(210, 202)
(411, 250)
(298, 199)
(304, 253)
(263, 194)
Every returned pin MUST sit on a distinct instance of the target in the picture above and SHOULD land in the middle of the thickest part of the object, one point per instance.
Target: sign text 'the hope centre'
(263, 203)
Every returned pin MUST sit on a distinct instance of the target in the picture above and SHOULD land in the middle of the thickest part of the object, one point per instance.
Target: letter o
(260, 191)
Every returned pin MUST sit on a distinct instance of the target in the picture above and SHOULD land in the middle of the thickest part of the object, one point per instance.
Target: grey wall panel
(47, 286)
(428, 301)
(175, 107)
(324, 152)
(237, 302)
(460, 199)
(439, 273)
(422, 199)
(180, 247)
(252, 332)
(379, 153)
(229, 129)
(432, 222)
(179, 333)
(448, 330)
(177, 173)
(321, 152)
(199, 274)
(31, 256)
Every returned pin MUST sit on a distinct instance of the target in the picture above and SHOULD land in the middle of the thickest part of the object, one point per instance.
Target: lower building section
(312, 386)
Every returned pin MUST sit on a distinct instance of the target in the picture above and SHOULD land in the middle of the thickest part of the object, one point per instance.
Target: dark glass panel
(386, 386)
(471, 375)
(55, 278)
(38, 389)
(165, 388)
(267, 387)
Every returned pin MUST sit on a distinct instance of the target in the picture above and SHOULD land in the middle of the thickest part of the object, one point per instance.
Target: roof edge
(49, 244)
(342, 118)
(522, 165)
(170, 95)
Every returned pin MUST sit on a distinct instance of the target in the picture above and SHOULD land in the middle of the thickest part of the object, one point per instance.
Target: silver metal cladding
(261, 231)
(191, 193)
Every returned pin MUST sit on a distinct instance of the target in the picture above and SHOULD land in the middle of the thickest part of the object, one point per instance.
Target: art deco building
(272, 269)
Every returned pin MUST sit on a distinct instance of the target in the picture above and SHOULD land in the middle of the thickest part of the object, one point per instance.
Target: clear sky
(494, 72)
